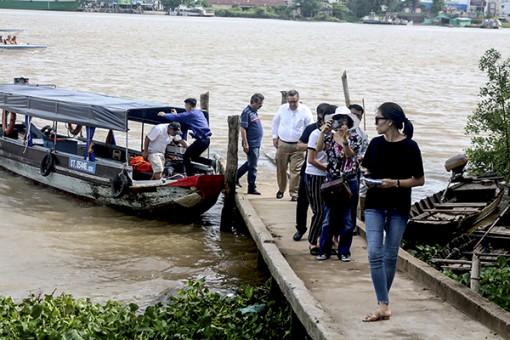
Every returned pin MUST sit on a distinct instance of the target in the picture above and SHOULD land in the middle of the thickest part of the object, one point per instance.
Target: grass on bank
(195, 313)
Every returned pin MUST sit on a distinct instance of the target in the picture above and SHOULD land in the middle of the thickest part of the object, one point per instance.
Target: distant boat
(4, 33)
(491, 23)
(373, 19)
(51, 5)
(196, 11)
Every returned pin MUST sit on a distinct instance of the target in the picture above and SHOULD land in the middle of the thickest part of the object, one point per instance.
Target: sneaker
(253, 192)
(294, 199)
(279, 194)
(345, 258)
(321, 257)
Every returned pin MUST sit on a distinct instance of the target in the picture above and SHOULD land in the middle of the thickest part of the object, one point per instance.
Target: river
(51, 241)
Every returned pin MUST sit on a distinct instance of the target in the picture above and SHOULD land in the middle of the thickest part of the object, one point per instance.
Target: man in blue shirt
(251, 136)
(197, 122)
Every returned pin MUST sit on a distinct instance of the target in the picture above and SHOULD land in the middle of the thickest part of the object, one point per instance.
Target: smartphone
(372, 181)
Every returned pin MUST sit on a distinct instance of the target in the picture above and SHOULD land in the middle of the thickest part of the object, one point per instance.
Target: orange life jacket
(140, 164)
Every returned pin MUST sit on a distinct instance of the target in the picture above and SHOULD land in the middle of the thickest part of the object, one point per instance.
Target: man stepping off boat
(196, 120)
(156, 142)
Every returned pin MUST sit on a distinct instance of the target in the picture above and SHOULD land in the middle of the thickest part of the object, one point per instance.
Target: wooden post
(346, 89)
(204, 106)
(227, 213)
(475, 272)
(284, 97)
(204, 101)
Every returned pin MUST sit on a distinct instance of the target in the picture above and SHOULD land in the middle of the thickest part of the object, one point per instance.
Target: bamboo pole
(346, 89)
(227, 213)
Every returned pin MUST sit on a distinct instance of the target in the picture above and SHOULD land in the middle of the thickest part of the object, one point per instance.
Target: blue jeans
(339, 220)
(383, 250)
(250, 167)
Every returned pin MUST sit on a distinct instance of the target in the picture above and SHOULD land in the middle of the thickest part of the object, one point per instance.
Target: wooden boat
(58, 156)
(444, 215)
(489, 242)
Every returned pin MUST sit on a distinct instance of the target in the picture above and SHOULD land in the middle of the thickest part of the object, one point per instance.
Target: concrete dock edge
(318, 324)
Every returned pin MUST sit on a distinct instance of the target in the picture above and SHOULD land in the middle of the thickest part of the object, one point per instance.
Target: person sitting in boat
(1, 40)
(196, 120)
(155, 145)
(14, 41)
(8, 40)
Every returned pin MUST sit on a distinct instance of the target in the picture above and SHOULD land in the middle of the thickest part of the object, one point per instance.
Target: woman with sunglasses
(394, 159)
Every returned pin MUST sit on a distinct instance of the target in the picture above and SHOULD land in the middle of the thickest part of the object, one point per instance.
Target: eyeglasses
(377, 119)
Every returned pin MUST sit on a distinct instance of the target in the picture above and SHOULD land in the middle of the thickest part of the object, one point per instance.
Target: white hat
(343, 111)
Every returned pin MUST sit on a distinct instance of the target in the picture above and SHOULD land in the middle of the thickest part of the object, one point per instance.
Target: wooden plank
(460, 204)
(461, 211)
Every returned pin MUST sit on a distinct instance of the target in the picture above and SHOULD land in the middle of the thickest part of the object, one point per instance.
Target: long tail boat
(41, 138)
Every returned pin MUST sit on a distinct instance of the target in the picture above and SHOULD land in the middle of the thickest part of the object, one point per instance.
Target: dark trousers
(193, 152)
(313, 189)
(302, 203)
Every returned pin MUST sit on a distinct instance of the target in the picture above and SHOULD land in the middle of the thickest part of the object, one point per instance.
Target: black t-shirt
(305, 137)
(397, 160)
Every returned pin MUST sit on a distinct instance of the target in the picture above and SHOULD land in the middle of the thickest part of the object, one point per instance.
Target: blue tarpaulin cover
(81, 108)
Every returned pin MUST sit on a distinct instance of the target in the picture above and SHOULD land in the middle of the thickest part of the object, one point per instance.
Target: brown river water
(51, 241)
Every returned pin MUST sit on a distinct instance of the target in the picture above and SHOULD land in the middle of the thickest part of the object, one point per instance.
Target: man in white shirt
(287, 126)
(155, 145)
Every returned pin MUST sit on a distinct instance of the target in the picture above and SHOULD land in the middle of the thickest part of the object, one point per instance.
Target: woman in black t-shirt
(395, 159)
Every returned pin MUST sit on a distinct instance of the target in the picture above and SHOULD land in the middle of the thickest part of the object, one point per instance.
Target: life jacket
(140, 164)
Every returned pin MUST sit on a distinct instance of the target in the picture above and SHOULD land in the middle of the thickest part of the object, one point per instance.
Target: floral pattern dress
(338, 164)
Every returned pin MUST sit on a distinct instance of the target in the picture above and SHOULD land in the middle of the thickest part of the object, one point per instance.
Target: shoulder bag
(336, 193)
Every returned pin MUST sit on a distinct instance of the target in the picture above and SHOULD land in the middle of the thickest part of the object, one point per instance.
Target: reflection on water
(54, 241)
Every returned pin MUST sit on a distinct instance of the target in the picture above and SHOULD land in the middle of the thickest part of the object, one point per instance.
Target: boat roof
(83, 108)
(15, 31)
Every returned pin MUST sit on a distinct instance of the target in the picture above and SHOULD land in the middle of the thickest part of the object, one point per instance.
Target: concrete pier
(331, 297)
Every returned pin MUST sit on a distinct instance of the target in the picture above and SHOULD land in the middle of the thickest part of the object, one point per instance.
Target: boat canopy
(83, 108)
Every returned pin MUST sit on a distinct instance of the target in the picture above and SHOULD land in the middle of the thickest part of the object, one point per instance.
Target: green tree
(437, 6)
(489, 125)
(310, 8)
(340, 10)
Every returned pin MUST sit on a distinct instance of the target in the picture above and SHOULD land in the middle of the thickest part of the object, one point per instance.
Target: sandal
(376, 316)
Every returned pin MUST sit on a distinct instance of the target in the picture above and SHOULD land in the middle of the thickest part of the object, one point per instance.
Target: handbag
(336, 193)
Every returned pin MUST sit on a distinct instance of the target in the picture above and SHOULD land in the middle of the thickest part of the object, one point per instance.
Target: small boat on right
(440, 217)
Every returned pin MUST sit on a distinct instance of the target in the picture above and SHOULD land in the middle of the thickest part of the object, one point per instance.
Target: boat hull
(40, 5)
(466, 204)
(182, 199)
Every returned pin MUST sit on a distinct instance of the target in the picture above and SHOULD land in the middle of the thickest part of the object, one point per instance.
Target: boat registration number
(82, 165)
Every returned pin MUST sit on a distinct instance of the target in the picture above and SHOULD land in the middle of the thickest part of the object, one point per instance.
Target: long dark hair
(396, 114)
